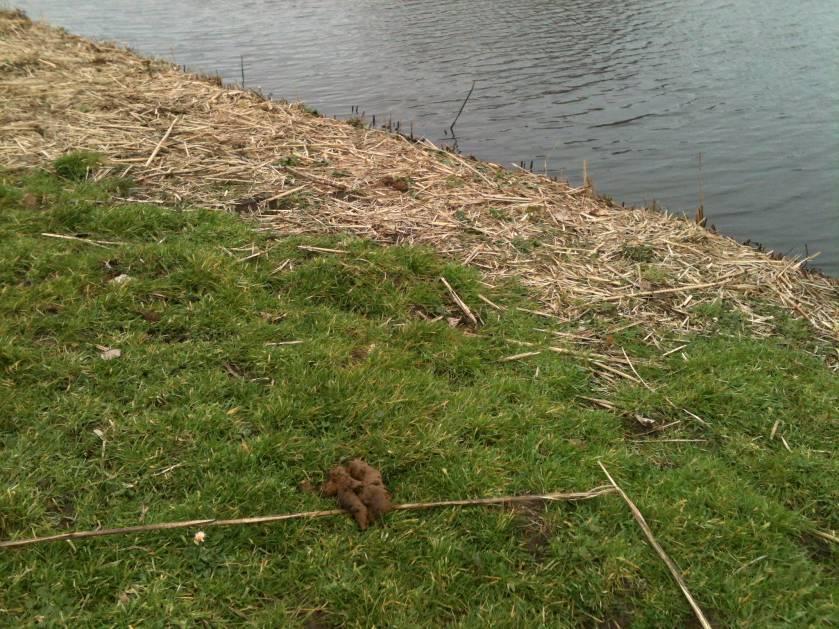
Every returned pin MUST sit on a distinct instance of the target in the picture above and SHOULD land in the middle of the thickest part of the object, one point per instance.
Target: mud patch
(620, 620)
(536, 532)
(318, 619)
(63, 510)
(822, 552)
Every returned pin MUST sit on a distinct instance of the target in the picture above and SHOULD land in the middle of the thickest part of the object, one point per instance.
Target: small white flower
(199, 538)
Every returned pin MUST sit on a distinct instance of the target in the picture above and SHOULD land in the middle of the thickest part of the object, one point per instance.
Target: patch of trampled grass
(207, 413)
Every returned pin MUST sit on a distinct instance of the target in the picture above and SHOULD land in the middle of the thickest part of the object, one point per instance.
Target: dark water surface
(639, 88)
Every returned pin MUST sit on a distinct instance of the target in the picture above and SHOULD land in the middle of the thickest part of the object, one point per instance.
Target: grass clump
(77, 166)
(309, 110)
(638, 253)
(209, 413)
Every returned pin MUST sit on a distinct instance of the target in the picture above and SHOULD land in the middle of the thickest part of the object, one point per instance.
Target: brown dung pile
(359, 490)
(185, 138)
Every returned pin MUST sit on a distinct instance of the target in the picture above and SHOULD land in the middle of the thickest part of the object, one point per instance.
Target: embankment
(187, 139)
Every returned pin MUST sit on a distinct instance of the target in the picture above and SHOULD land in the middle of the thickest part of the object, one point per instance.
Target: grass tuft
(77, 166)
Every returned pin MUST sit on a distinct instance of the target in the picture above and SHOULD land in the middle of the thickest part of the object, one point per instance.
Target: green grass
(76, 166)
(202, 386)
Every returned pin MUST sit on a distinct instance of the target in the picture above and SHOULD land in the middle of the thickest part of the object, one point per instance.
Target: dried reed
(185, 138)
(308, 515)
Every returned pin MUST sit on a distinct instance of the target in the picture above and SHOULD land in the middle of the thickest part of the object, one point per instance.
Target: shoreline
(186, 139)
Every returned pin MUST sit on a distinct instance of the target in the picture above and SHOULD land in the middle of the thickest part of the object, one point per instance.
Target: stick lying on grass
(674, 570)
(460, 303)
(265, 519)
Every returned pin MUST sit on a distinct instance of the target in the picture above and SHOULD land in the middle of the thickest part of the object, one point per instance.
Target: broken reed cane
(460, 303)
(671, 565)
(266, 519)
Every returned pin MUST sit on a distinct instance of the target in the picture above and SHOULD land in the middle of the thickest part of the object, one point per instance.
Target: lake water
(639, 88)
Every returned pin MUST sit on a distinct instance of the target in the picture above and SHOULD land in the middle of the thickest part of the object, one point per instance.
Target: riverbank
(164, 361)
(187, 140)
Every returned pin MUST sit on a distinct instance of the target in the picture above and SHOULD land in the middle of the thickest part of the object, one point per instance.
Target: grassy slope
(84, 440)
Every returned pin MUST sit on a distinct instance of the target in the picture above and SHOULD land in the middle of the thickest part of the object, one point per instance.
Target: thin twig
(162, 140)
(266, 519)
(669, 440)
(282, 194)
(827, 536)
(490, 303)
(677, 289)
(539, 313)
(602, 403)
(252, 256)
(674, 570)
(281, 267)
(617, 372)
(166, 470)
(96, 243)
(750, 563)
(674, 350)
(632, 367)
(320, 249)
(472, 168)
(460, 303)
(518, 356)
(786, 445)
(465, 100)
(697, 418)
(656, 429)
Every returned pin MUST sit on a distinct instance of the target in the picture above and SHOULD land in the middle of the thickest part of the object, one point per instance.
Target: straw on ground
(186, 138)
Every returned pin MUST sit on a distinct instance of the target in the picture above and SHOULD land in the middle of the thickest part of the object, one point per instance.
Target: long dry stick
(97, 243)
(677, 289)
(265, 519)
(282, 194)
(674, 570)
(320, 249)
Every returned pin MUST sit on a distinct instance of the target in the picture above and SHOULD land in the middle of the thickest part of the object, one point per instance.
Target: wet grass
(207, 414)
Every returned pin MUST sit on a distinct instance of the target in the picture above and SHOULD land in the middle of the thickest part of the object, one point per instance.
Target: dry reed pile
(186, 138)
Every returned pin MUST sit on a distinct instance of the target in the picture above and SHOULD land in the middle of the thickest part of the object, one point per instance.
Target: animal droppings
(359, 490)
(344, 487)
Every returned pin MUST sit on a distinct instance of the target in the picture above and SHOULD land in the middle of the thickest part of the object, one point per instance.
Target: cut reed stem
(268, 519)
(674, 570)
